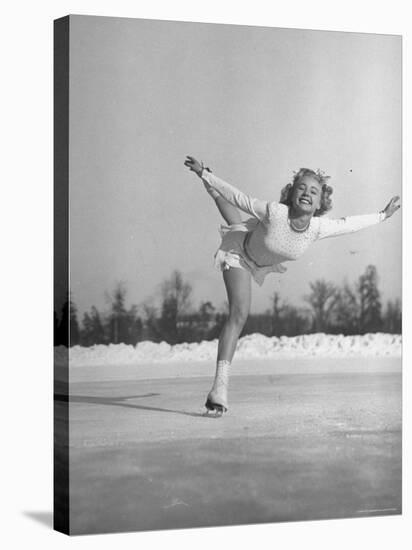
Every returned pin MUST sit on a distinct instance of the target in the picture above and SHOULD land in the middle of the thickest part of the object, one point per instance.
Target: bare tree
(322, 299)
(175, 304)
(117, 299)
(276, 312)
(392, 318)
(93, 328)
(177, 290)
(124, 326)
(370, 318)
(347, 311)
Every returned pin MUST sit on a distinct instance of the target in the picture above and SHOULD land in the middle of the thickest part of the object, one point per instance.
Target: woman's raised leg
(238, 288)
(229, 212)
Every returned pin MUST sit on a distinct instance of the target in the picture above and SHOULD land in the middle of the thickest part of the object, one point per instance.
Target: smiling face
(306, 196)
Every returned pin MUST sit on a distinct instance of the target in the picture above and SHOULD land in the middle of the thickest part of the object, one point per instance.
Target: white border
(26, 274)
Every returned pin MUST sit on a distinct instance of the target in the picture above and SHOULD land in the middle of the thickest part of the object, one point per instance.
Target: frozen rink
(303, 439)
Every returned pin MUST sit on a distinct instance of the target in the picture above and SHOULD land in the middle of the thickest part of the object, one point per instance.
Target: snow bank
(252, 346)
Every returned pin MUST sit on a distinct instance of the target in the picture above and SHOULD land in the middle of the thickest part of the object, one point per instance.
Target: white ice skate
(216, 402)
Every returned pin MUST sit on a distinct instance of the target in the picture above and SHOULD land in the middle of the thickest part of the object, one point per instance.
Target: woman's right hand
(194, 165)
(391, 207)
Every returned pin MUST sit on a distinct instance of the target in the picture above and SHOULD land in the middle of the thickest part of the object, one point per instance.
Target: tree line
(336, 309)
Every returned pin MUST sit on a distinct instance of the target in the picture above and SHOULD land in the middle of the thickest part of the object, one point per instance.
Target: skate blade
(214, 410)
(213, 413)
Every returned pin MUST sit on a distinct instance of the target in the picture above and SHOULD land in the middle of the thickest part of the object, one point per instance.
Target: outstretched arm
(351, 224)
(252, 206)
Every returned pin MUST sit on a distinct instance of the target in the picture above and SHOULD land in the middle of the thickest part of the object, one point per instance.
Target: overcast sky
(254, 104)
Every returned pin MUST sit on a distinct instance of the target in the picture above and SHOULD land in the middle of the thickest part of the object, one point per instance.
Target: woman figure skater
(277, 232)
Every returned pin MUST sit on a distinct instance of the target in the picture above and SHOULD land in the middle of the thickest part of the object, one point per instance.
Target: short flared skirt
(231, 252)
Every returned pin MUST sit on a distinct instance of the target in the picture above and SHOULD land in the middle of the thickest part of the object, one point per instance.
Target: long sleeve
(342, 226)
(254, 207)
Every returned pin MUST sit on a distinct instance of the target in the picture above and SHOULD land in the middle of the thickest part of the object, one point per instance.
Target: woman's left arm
(351, 224)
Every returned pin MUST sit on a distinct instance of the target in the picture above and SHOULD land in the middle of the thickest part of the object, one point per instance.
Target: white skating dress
(263, 243)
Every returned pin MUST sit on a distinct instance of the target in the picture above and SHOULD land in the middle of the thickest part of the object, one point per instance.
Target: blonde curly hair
(320, 177)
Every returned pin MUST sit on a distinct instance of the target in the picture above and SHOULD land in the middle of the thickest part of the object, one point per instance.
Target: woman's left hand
(391, 207)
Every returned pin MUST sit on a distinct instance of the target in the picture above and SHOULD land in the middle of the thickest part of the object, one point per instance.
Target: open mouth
(304, 200)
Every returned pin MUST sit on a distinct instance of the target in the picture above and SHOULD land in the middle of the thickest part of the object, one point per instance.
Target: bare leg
(238, 288)
(229, 212)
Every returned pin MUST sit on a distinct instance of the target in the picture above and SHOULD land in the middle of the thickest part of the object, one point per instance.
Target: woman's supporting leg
(229, 212)
(238, 289)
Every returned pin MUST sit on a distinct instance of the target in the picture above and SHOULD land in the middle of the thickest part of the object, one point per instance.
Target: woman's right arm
(250, 205)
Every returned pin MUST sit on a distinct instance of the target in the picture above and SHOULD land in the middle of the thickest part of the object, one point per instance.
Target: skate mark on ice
(119, 402)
